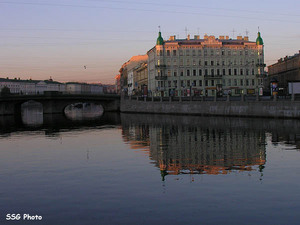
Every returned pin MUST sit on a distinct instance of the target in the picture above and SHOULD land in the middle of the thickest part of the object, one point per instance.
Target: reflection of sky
(105, 34)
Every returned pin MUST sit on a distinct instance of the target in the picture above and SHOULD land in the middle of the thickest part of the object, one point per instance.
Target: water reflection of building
(181, 145)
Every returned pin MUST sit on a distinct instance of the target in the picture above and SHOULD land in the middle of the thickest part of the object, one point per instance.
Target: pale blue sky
(43, 38)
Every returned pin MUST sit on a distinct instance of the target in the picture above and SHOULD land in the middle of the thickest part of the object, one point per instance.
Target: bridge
(56, 103)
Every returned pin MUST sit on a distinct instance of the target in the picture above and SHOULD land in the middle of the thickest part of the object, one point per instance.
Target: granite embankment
(241, 108)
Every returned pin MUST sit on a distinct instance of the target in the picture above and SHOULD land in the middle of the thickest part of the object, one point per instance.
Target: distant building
(32, 87)
(208, 66)
(118, 83)
(285, 70)
(127, 75)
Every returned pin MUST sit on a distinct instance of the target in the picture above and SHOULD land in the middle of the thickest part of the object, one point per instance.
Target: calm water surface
(149, 169)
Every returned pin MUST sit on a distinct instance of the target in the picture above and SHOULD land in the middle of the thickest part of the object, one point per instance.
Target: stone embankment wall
(242, 108)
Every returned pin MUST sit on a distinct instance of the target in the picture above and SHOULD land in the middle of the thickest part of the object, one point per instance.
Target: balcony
(161, 77)
(161, 66)
(213, 76)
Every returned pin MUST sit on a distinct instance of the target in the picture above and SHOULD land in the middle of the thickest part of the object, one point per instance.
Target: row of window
(211, 72)
(206, 52)
(199, 83)
(199, 62)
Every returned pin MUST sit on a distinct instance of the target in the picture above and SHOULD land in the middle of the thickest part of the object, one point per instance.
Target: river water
(149, 169)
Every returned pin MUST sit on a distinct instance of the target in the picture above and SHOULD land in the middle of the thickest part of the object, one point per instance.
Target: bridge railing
(215, 98)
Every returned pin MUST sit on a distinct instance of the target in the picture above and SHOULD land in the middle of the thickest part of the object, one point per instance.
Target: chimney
(246, 38)
(196, 37)
(239, 38)
(188, 37)
(205, 36)
(227, 37)
(172, 38)
(221, 37)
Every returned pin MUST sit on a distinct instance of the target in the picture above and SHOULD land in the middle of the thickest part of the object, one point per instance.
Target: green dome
(160, 40)
(259, 40)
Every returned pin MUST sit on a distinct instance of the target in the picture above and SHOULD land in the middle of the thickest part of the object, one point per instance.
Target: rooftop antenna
(247, 32)
(198, 29)
(258, 28)
(159, 28)
(186, 30)
(233, 31)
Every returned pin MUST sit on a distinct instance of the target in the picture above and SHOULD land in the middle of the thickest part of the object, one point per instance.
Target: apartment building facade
(206, 67)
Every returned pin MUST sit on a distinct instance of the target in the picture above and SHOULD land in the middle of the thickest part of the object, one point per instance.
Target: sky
(89, 40)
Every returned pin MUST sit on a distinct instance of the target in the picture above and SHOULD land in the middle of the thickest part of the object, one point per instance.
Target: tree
(5, 91)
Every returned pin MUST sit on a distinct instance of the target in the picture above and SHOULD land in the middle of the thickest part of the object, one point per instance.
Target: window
(247, 82)
(218, 72)
(205, 52)
(194, 52)
(229, 71)
(182, 83)
(212, 71)
(200, 72)
(253, 82)
(175, 83)
(188, 72)
(241, 52)
(211, 63)
(194, 62)
(194, 83)
(223, 63)
(175, 73)
(169, 73)
(212, 83)
(180, 52)
(188, 62)
(223, 52)
(212, 52)
(247, 71)
(200, 83)
(206, 82)
(235, 82)
(224, 73)
(242, 82)
(188, 84)
(229, 52)
(168, 52)
(169, 83)
(241, 73)
(206, 72)
(235, 71)
(194, 73)
(199, 62)
(187, 52)
(181, 73)
(229, 82)
(205, 63)
(199, 52)
(174, 52)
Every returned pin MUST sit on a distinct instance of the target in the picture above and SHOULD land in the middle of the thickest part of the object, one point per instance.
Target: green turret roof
(160, 40)
(259, 40)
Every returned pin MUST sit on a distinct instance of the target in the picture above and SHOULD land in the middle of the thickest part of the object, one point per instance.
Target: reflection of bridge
(56, 103)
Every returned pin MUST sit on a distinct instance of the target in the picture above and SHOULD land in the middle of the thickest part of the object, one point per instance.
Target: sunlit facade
(208, 66)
